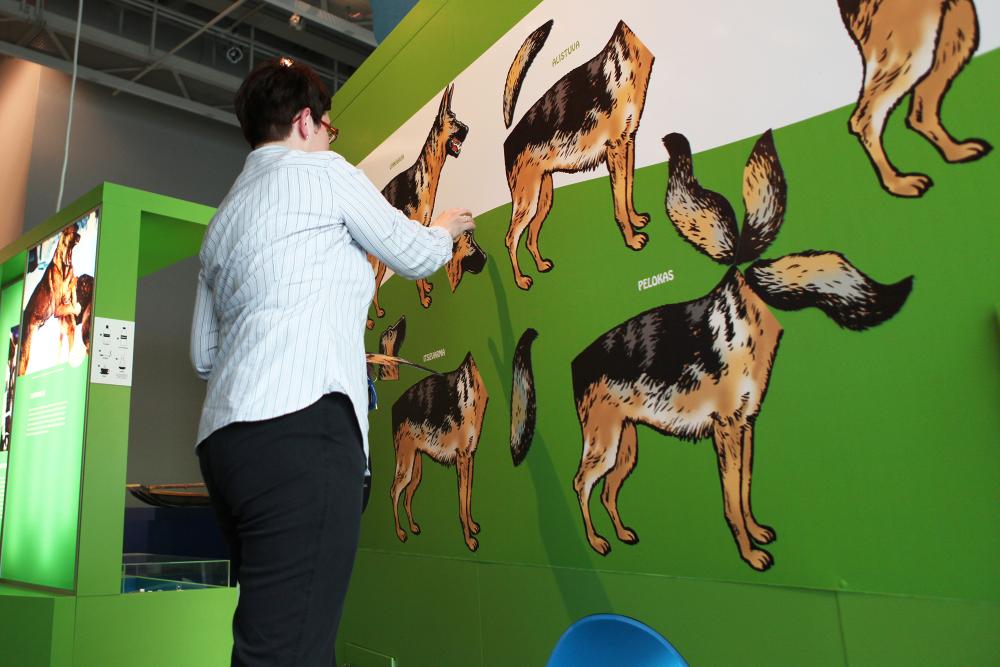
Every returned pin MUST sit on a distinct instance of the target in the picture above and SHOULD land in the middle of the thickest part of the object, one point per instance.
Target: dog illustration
(85, 296)
(588, 116)
(441, 416)
(916, 46)
(414, 190)
(701, 368)
(389, 344)
(54, 296)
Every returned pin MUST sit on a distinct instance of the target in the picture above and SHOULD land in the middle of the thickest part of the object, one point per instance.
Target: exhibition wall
(795, 310)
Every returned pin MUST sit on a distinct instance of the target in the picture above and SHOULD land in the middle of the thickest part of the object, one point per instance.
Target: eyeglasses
(331, 132)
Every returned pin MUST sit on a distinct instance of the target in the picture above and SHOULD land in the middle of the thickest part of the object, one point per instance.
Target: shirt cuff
(444, 242)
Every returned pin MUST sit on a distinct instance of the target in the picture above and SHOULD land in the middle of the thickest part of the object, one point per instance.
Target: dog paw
(401, 535)
(524, 282)
(640, 220)
(759, 559)
(761, 534)
(415, 528)
(473, 527)
(600, 545)
(428, 287)
(908, 185)
(967, 151)
(627, 535)
(425, 301)
(472, 543)
(544, 265)
(370, 324)
(637, 241)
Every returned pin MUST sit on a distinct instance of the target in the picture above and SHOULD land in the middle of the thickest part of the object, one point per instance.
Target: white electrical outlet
(111, 345)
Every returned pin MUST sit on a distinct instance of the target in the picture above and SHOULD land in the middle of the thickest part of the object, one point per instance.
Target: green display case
(62, 572)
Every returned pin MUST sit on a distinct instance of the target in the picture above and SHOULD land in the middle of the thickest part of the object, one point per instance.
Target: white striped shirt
(285, 285)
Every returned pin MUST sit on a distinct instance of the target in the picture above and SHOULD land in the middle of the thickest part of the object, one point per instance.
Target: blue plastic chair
(611, 640)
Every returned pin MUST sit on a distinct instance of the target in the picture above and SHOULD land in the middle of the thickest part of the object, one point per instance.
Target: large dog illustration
(54, 296)
(414, 190)
(701, 368)
(587, 117)
(441, 416)
(916, 46)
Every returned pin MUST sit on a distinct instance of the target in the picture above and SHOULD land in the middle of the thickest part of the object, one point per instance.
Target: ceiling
(189, 54)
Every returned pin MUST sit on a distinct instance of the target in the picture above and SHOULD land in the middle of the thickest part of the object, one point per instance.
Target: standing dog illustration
(587, 117)
(441, 416)
(54, 296)
(414, 190)
(916, 46)
(701, 368)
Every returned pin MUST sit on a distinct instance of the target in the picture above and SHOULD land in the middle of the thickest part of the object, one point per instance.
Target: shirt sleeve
(204, 329)
(405, 246)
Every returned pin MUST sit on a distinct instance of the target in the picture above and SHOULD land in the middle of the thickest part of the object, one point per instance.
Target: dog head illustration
(467, 256)
(389, 344)
(67, 241)
(452, 129)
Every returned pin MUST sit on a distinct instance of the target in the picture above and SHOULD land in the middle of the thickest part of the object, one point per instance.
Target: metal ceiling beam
(327, 47)
(114, 82)
(326, 19)
(190, 38)
(127, 47)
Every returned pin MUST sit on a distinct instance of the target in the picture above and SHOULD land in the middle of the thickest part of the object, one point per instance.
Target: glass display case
(143, 573)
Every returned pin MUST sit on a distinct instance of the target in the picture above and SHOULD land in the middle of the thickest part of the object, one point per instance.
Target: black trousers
(288, 494)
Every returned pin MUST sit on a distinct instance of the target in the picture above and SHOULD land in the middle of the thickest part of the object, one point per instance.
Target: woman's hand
(456, 221)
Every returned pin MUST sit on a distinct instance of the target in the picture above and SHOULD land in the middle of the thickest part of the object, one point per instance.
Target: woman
(278, 333)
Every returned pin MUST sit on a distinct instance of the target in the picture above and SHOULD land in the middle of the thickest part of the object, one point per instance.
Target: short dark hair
(271, 96)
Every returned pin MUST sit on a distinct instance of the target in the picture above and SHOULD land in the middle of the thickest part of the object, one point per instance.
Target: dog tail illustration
(764, 197)
(704, 218)
(389, 360)
(522, 399)
(522, 61)
(828, 281)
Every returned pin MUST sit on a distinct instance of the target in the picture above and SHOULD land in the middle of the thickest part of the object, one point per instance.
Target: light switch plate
(112, 344)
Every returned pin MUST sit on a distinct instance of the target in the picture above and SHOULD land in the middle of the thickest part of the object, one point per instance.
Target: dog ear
(704, 218)
(764, 197)
(445, 106)
(828, 281)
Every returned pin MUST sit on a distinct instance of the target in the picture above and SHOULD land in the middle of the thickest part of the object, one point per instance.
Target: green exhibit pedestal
(81, 618)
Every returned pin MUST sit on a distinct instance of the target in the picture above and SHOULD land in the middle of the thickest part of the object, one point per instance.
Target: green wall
(875, 458)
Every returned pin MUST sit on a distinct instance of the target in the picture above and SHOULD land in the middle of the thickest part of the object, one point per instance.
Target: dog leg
(422, 292)
(760, 534)
(617, 160)
(405, 454)
(897, 53)
(524, 200)
(411, 488)
(957, 40)
(638, 220)
(728, 446)
(379, 277)
(613, 482)
(473, 524)
(26, 348)
(535, 226)
(464, 488)
(600, 444)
